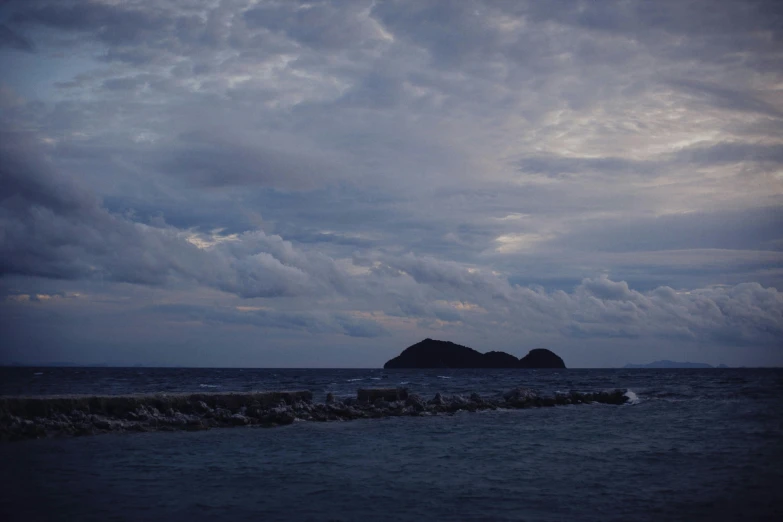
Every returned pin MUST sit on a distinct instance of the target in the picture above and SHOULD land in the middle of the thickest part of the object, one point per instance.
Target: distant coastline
(673, 364)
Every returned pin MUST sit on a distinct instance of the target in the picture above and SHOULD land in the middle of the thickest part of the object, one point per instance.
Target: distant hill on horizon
(672, 364)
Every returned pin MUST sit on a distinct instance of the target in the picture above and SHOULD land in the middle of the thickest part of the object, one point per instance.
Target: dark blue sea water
(694, 445)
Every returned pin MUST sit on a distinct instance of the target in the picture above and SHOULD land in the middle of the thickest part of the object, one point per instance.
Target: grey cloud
(607, 290)
(53, 229)
(727, 98)
(314, 236)
(27, 178)
(453, 33)
(133, 56)
(712, 154)
(726, 24)
(448, 276)
(359, 327)
(13, 40)
(312, 322)
(286, 138)
(745, 313)
(731, 153)
(673, 16)
(123, 84)
(112, 23)
(320, 24)
(202, 215)
(712, 34)
(751, 229)
(645, 270)
(424, 310)
(557, 165)
(215, 161)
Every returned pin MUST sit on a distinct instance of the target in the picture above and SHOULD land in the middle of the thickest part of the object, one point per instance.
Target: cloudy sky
(321, 184)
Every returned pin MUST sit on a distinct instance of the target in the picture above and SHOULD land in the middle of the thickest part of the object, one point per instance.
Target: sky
(322, 184)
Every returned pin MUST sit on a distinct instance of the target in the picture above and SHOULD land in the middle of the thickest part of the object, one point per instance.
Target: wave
(632, 397)
(443, 377)
(209, 386)
(355, 380)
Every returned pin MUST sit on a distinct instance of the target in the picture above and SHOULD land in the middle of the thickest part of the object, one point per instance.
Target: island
(431, 353)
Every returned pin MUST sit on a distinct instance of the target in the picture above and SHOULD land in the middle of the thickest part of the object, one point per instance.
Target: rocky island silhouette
(431, 353)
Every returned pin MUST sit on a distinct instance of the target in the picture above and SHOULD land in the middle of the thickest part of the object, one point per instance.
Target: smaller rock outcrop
(541, 358)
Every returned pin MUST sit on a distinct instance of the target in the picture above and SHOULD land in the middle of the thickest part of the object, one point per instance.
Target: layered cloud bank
(322, 183)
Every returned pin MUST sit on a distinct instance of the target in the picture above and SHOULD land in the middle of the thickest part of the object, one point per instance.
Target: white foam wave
(375, 378)
(632, 397)
(355, 380)
(209, 386)
(443, 377)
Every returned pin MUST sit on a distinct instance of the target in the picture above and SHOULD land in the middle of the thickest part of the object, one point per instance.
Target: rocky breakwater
(37, 417)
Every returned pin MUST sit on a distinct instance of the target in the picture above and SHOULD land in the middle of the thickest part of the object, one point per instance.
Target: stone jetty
(51, 416)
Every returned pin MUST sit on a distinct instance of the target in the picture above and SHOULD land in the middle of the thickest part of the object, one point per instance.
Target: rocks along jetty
(37, 417)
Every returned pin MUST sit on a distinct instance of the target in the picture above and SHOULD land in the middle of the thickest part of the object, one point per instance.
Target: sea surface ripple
(694, 445)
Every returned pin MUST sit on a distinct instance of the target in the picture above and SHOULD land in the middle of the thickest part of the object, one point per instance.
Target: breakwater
(73, 415)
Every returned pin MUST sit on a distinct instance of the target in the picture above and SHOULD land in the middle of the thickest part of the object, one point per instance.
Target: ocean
(690, 445)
